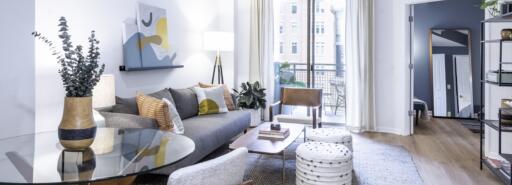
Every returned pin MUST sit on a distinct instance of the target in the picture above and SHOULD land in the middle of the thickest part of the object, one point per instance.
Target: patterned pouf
(330, 135)
(323, 163)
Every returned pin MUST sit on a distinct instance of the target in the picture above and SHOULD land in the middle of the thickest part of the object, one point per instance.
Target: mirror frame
(431, 70)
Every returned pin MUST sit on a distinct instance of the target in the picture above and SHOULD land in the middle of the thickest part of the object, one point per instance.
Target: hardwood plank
(444, 151)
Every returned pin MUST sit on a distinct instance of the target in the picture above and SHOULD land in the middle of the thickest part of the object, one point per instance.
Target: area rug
(374, 164)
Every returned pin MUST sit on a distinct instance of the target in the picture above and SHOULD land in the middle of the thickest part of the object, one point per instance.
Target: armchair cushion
(224, 170)
(296, 119)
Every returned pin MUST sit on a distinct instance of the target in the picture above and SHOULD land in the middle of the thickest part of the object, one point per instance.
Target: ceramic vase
(255, 116)
(77, 128)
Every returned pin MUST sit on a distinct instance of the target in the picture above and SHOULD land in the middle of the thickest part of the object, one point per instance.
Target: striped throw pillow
(154, 108)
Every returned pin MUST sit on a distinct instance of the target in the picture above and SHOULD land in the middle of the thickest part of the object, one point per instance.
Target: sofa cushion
(186, 102)
(129, 105)
(209, 132)
(150, 107)
(120, 120)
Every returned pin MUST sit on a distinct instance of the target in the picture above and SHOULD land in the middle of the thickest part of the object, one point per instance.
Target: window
(281, 29)
(294, 47)
(319, 48)
(294, 7)
(294, 27)
(318, 6)
(319, 28)
(281, 47)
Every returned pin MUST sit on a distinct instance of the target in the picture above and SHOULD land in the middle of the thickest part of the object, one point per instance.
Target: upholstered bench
(323, 163)
(330, 135)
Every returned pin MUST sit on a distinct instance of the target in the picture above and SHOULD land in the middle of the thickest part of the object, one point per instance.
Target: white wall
(187, 20)
(17, 56)
(242, 40)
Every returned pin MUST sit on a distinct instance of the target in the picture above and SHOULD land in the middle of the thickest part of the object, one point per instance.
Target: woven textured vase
(77, 128)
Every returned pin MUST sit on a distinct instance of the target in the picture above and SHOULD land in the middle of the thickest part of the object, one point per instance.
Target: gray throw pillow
(129, 105)
(186, 102)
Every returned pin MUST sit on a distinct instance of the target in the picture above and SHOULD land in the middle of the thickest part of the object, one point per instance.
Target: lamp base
(217, 67)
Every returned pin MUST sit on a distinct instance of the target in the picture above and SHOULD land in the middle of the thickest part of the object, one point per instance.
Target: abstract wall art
(145, 40)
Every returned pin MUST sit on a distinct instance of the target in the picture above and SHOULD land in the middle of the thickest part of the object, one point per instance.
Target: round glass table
(115, 154)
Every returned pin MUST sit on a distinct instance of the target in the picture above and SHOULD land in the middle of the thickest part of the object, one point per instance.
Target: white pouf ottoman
(330, 135)
(323, 163)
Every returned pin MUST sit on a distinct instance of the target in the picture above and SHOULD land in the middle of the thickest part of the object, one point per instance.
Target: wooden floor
(444, 151)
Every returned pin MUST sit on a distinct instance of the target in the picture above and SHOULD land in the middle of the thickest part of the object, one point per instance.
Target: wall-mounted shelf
(496, 40)
(123, 68)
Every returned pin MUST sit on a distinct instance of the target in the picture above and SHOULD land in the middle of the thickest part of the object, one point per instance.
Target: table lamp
(218, 41)
(103, 95)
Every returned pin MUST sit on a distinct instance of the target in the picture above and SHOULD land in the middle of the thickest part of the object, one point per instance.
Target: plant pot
(76, 165)
(255, 116)
(77, 128)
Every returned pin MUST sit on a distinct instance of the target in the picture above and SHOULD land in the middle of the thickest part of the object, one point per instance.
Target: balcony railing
(328, 77)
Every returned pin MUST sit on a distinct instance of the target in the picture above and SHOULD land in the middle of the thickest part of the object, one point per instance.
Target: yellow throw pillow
(150, 107)
(227, 95)
(210, 100)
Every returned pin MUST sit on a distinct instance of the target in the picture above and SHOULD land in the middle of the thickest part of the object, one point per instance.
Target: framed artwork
(146, 41)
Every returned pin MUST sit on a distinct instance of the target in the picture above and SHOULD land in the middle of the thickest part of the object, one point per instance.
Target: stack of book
(269, 134)
(502, 166)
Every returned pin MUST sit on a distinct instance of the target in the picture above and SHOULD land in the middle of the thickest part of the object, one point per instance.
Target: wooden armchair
(311, 98)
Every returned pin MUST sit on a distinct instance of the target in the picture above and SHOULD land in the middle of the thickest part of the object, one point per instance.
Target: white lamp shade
(218, 41)
(104, 94)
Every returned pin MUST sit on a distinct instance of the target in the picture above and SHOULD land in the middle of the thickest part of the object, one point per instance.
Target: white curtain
(262, 46)
(360, 102)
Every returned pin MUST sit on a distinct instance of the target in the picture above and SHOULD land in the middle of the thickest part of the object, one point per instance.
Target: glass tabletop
(115, 153)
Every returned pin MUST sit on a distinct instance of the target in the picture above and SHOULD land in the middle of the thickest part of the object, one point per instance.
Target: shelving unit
(494, 124)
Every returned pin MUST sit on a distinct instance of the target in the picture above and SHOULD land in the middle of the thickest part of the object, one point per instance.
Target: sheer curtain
(359, 64)
(262, 46)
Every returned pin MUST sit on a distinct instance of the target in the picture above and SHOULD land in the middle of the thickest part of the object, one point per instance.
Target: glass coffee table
(115, 154)
(254, 144)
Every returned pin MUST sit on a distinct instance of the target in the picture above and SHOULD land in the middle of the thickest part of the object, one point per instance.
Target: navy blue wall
(444, 14)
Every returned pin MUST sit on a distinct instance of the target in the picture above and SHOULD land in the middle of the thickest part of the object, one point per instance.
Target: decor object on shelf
(211, 100)
(252, 98)
(146, 41)
(506, 112)
(80, 72)
(323, 163)
(218, 41)
(330, 135)
(227, 95)
(506, 34)
(491, 6)
(493, 76)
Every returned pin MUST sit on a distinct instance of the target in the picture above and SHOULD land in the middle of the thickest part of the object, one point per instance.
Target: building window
(281, 29)
(319, 27)
(294, 27)
(294, 7)
(294, 47)
(320, 48)
(281, 47)
(318, 6)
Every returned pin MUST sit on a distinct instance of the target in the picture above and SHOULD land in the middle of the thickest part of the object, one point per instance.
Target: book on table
(267, 133)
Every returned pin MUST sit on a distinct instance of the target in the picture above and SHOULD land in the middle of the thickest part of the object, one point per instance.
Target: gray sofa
(209, 132)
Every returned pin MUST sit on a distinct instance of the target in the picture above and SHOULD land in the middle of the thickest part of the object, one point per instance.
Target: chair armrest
(121, 120)
(271, 110)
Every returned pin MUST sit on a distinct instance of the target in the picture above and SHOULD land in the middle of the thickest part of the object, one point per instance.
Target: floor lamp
(218, 41)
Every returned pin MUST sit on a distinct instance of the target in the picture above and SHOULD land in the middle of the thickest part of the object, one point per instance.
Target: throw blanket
(424, 114)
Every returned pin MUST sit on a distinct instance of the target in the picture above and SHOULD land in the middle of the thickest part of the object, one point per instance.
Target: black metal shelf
(494, 125)
(496, 40)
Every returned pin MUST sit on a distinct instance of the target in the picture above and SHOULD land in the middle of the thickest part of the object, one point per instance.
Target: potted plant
(80, 72)
(252, 98)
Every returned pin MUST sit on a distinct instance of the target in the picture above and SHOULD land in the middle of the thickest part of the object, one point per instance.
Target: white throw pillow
(175, 117)
(211, 100)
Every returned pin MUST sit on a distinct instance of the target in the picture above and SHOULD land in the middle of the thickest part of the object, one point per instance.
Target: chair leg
(314, 119)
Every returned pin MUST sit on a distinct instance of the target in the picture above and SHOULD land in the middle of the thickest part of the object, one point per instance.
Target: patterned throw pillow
(227, 95)
(211, 100)
(176, 120)
(150, 107)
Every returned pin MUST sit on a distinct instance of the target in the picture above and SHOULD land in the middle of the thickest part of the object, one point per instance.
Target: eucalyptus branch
(79, 71)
